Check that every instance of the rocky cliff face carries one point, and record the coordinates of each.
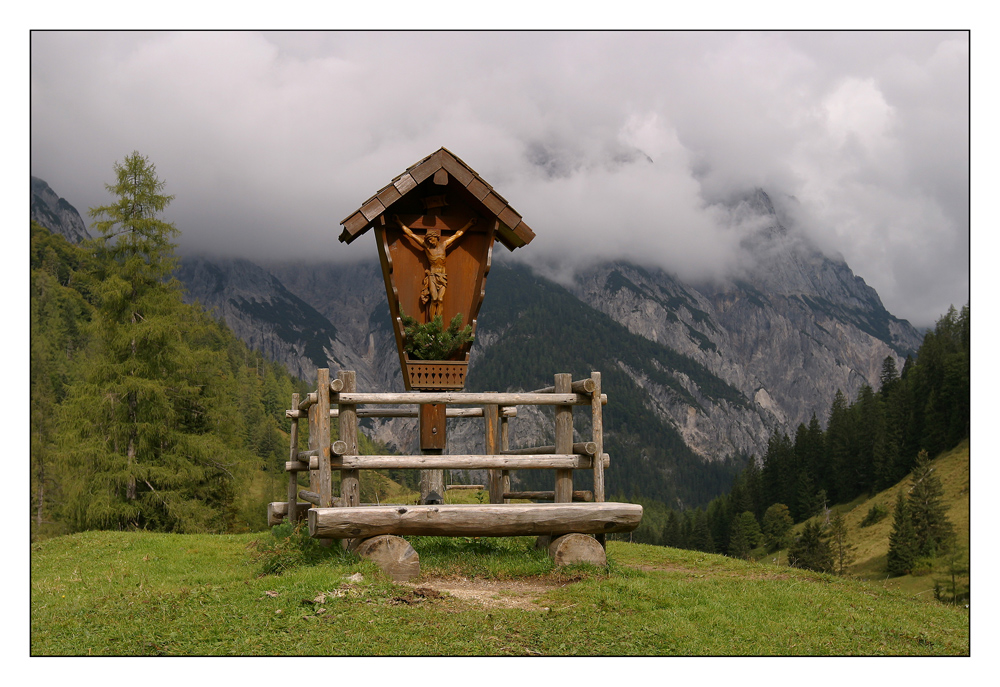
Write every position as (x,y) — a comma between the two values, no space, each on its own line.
(55,214)
(794,328)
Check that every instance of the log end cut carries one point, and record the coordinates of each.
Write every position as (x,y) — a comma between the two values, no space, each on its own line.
(278,511)
(393,555)
(577,548)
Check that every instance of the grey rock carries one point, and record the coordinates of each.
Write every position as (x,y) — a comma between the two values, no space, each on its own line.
(55,213)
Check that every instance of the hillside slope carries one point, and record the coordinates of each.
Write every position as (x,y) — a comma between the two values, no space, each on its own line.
(872,542)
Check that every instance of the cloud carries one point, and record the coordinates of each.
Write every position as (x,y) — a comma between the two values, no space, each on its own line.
(609,144)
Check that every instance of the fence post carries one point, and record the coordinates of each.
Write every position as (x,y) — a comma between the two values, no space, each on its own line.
(504,446)
(350,487)
(491,419)
(597,425)
(293,455)
(323,430)
(564,439)
(313,445)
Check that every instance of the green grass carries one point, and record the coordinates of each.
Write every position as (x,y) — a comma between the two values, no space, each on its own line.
(137,593)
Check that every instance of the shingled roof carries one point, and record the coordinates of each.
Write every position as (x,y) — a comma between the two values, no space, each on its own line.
(513,232)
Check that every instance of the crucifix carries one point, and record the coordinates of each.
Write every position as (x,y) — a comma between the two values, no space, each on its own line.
(435,277)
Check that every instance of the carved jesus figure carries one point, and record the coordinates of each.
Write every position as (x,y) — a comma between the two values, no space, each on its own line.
(435,278)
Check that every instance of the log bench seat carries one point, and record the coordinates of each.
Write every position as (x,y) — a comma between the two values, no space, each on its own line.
(474,520)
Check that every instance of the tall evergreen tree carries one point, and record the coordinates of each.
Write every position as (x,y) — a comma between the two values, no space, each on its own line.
(779,475)
(701,536)
(902,539)
(869,440)
(809,502)
(889,375)
(673,532)
(839,470)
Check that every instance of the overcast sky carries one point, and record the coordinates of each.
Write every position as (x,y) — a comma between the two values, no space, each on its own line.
(615,144)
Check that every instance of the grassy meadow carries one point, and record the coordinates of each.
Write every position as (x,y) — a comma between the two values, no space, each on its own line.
(155,594)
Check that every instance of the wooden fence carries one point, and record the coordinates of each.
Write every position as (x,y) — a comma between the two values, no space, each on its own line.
(344,517)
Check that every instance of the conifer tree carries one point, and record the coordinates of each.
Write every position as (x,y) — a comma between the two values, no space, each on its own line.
(813,451)
(902,539)
(889,376)
(701,536)
(805,503)
(839,471)
(744,535)
(146,442)
(58,340)
(932,529)
(869,438)
(955,581)
(811,550)
(673,531)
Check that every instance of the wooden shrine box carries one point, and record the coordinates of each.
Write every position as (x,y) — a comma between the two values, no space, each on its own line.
(438,195)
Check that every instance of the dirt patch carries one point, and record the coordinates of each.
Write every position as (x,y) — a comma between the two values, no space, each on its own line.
(522,594)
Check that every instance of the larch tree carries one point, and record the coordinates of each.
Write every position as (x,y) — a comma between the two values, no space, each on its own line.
(842,549)
(142,445)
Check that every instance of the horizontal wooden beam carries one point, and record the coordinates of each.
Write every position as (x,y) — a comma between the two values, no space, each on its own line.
(310,496)
(509,411)
(475,520)
(547,495)
(567,461)
(480,487)
(313,398)
(309,460)
(582,386)
(587,448)
(464,398)
(310,400)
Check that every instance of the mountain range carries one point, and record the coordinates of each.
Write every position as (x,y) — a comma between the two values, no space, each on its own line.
(698,375)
